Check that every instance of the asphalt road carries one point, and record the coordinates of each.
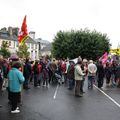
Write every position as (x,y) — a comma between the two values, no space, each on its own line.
(59,103)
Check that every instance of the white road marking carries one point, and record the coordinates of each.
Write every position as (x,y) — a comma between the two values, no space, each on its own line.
(108,96)
(55,94)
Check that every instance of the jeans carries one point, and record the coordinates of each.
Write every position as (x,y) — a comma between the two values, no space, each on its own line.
(113,80)
(91,80)
(45,81)
(71,83)
(40,78)
(26,82)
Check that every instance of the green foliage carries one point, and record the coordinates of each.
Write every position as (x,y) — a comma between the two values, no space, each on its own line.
(23,51)
(4,49)
(85,43)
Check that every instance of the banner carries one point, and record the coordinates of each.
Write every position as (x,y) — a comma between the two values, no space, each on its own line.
(116,51)
(23,34)
(104,58)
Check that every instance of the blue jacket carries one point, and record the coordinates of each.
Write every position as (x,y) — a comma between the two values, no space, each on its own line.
(15,80)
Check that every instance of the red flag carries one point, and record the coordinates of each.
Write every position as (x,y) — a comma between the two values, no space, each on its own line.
(23,34)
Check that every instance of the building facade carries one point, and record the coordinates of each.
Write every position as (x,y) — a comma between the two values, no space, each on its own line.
(45,47)
(10,35)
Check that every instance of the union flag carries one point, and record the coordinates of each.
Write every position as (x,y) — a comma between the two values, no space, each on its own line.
(23,34)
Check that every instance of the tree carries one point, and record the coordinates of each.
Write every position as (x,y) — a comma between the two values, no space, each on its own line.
(4,49)
(85,43)
(23,51)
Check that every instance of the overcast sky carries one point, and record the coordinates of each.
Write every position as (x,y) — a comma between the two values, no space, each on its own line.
(47,17)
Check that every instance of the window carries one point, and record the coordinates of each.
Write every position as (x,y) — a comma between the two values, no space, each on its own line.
(17,44)
(35,46)
(28,45)
(35,54)
(32,46)
(32,56)
(9,43)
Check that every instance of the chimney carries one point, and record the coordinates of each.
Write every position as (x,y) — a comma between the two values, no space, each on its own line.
(15,31)
(10,31)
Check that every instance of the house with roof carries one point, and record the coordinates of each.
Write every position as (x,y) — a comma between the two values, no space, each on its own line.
(10,35)
(45,47)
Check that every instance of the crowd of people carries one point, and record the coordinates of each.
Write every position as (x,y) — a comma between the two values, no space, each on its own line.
(16,74)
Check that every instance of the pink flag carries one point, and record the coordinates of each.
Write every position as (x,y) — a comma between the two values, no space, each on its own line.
(104,58)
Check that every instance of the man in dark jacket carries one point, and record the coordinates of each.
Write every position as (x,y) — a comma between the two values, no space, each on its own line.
(100,73)
(70,75)
(27,72)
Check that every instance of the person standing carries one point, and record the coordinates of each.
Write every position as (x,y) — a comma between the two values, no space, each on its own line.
(85,70)
(27,74)
(36,73)
(100,74)
(52,68)
(45,76)
(63,70)
(70,75)
(114,73)
(15,81)
(1,72)
(108,73)
(1,75)
(118,75)
(92,69)
(1,80)
(5,67)
(78,78)
(40,76)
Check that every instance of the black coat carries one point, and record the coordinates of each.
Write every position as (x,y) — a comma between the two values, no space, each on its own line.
(27,70)
(118,71)
(108,72)
(100,71)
